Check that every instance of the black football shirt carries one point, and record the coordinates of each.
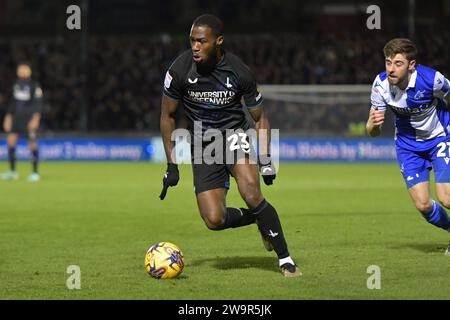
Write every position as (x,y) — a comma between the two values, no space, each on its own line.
(26,100)
(213,97)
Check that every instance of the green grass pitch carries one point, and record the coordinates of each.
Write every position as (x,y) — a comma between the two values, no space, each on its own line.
(338,219)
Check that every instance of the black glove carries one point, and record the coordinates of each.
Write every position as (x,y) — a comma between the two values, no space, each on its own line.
(267,169)
(170,179)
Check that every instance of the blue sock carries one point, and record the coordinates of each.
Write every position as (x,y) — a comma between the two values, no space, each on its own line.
(437,216)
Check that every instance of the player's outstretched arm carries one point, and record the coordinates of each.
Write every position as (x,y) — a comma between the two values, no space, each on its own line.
(374,122)
(167,126)
(262,127)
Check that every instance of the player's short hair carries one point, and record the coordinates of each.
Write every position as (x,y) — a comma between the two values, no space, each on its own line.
(211,21)
(400,45)
(24,63)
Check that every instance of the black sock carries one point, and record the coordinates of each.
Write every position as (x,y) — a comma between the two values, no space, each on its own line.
(235,218)
(269,224)
(12,158)
(35,160)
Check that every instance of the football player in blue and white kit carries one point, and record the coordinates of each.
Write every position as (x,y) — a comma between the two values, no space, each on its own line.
(420,99)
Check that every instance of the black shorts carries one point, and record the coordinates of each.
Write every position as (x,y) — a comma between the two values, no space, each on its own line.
(20,126)
(209,175)
(20,123)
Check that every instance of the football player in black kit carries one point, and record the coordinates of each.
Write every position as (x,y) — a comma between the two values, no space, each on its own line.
(23,118)
(209,82)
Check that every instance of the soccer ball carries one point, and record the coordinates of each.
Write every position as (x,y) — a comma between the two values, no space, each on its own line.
(164,260)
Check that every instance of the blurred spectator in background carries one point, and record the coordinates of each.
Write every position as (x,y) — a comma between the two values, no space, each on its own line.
(23,119)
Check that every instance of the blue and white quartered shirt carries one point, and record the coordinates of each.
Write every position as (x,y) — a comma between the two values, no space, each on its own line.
(421,116)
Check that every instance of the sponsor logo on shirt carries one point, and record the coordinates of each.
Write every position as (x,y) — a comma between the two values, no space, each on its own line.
(167,80)
(215,97)
(22,94)
(423,108)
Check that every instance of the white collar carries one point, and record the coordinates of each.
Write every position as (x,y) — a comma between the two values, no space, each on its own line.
(412,80)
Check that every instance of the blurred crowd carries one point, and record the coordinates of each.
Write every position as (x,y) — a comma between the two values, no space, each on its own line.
(124,75)
(56,67)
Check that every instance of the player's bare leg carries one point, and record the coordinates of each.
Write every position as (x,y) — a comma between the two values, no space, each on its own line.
(420,195)
(12,140)
(443,194)
(217,216)
(12,143)
(432,211)
(211,204)
(247,178)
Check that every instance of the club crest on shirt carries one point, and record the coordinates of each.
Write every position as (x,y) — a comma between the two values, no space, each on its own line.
(228,84)
(419,95)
